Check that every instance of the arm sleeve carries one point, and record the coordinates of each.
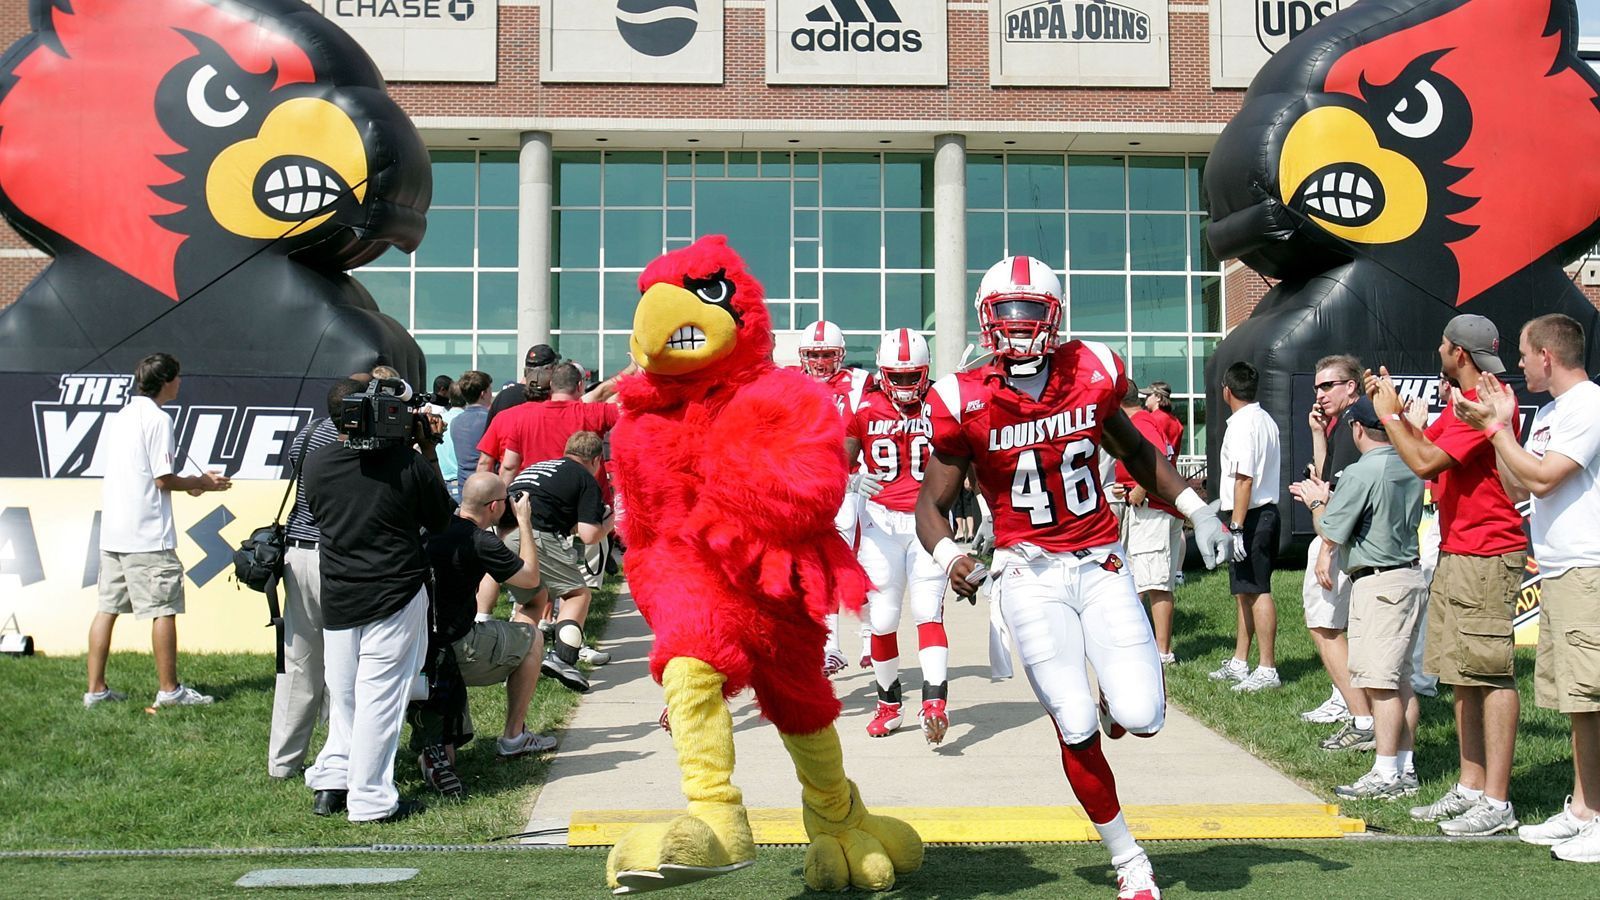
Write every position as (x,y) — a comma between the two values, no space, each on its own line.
(948,435)
(1456,438)
(434,506)
(159,445)
(591,510)
(1339,520)
(852,427)
(497,558)
(1577,437)
(490,443)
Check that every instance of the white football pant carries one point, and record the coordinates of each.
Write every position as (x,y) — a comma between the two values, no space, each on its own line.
(896,563)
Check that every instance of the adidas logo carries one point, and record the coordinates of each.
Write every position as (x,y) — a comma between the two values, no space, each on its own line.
(844,26)
(1096,378)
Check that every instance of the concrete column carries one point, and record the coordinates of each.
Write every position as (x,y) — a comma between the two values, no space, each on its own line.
(534,195)
(950,300)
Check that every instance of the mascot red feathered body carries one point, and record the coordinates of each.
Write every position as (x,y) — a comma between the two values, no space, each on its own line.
(729,471)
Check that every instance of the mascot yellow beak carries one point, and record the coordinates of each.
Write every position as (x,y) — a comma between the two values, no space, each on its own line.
(292,175)
(1333,170)
(675,332)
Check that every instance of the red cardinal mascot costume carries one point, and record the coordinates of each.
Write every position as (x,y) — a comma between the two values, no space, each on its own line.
(729,471)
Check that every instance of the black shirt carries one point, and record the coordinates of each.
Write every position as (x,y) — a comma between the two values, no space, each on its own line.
(563,493)
(461,555)
(370,507)
(318,434)
(1342,451)
(515,395)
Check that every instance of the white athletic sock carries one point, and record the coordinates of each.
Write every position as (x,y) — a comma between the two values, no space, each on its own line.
(935,662)
(885,671)
(1467,792)
(1364,723)
(482,617)
(1387,766)
(832,621)
(1118,840)
(1496,804)
(1403,759)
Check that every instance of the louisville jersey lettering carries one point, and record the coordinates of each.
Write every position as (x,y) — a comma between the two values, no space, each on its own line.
(894,446)
(1036,459)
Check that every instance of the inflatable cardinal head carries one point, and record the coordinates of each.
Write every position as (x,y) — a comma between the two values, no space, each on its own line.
(233,155)
(1450,140)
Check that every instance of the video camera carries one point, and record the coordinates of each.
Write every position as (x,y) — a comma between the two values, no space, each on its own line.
(386,414)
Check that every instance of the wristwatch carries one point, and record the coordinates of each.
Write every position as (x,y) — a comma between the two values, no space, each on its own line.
(1236,528)
(1316,505)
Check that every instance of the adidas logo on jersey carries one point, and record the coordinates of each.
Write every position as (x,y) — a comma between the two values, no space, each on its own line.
(1096,378)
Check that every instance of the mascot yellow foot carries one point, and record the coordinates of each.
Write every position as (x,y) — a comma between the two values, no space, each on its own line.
(713,837)
(849,846)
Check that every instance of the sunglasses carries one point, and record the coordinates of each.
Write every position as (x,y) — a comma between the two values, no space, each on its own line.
(1326,386)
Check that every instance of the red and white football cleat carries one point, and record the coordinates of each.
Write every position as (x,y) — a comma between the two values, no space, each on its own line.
(1108,724)
(886,721)
(833,662)
(1136,880)
(935,721)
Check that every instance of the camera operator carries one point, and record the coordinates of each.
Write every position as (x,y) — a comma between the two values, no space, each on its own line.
(465,653)
(567,513)
(370,505)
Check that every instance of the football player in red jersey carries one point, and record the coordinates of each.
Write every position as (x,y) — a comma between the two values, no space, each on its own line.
(891,435)
(1031,424)
(822,357)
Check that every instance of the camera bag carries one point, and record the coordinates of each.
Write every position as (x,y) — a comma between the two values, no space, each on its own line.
(258,563)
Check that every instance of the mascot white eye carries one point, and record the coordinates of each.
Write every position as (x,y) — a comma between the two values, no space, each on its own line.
(714,292)
(214,104)
(1419,113)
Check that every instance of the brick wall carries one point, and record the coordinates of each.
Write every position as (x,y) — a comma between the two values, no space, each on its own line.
(14,273)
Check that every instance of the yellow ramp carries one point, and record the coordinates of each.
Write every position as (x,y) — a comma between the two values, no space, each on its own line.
(1018,824)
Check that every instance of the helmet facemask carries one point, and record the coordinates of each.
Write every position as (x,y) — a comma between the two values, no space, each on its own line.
(822,362)
(1019,326)
(904,385)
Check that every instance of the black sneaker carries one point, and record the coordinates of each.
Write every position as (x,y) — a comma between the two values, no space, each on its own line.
(405,810)
(566,673)
(439,774)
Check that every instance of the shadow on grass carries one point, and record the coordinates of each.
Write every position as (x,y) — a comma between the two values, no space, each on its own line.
(947,874)
(1217,868)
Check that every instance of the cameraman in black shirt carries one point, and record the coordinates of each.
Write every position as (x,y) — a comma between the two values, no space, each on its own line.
(474,654)
(567,515)
(370,506)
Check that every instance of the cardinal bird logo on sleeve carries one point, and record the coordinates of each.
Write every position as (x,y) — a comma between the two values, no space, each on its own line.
(229,157)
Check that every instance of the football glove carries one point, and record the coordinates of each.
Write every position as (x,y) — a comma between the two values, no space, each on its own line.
(867,484)
(1215,543)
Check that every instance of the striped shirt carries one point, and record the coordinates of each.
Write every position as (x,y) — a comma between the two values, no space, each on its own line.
(316,435)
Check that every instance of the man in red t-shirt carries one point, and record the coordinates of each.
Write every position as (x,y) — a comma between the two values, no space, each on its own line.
(1152,529)
(534,432)
(1157,400)
(1482,555)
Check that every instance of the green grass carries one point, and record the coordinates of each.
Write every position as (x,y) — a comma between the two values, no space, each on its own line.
(118,777)
(1268,724)
(1327,870)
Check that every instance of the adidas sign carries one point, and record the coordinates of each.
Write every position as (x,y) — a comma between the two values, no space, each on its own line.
(862,26)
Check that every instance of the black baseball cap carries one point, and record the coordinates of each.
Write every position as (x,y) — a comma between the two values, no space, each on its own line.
(1362,412)
(539,355)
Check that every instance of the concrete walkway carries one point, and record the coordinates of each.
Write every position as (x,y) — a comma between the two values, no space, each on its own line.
(1001,750)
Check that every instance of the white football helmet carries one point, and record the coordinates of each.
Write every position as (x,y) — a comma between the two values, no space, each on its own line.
(903,365)
(1019,308)
(822,349)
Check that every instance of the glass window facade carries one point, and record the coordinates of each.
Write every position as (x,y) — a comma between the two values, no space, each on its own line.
(1126,234)
(846,236)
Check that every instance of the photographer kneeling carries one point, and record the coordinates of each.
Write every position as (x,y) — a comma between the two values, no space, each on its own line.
(567,514)
(464,653)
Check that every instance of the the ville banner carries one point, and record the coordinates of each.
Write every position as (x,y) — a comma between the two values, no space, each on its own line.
(1102,43)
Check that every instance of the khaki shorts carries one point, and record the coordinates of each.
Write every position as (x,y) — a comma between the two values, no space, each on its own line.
(560,564)
(1154,541)
(1385,608)
(1324,608)
(149,585)
(1566,673)
(492,650)
(1470,607)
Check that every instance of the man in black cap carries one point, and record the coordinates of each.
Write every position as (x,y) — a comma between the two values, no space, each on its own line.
(535,386)
(1372,522)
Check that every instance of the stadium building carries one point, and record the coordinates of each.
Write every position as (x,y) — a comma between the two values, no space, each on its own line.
(870,158)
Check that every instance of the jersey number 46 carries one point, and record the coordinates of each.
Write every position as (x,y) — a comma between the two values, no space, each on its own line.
(1030,491)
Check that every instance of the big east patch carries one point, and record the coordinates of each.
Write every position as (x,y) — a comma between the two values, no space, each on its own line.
(203,173)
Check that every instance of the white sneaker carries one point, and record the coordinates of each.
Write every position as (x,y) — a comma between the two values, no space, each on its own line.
(95,698)
(1452,804)
(1332,710)
(183,696)
(523,744)
(1481,820)
(593,657)
(1584,847)
(1136,880)
(1261,679)
(1563,826)
(1234,670)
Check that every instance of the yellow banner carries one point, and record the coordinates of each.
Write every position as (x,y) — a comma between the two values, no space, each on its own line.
(49,563)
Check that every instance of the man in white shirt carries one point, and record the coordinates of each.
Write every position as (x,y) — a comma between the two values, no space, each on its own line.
(1248,487)
(1560,467)
(139,568)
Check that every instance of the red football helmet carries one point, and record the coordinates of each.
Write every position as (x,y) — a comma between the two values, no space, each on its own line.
(1019,308)
(822,349)
(903,365)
